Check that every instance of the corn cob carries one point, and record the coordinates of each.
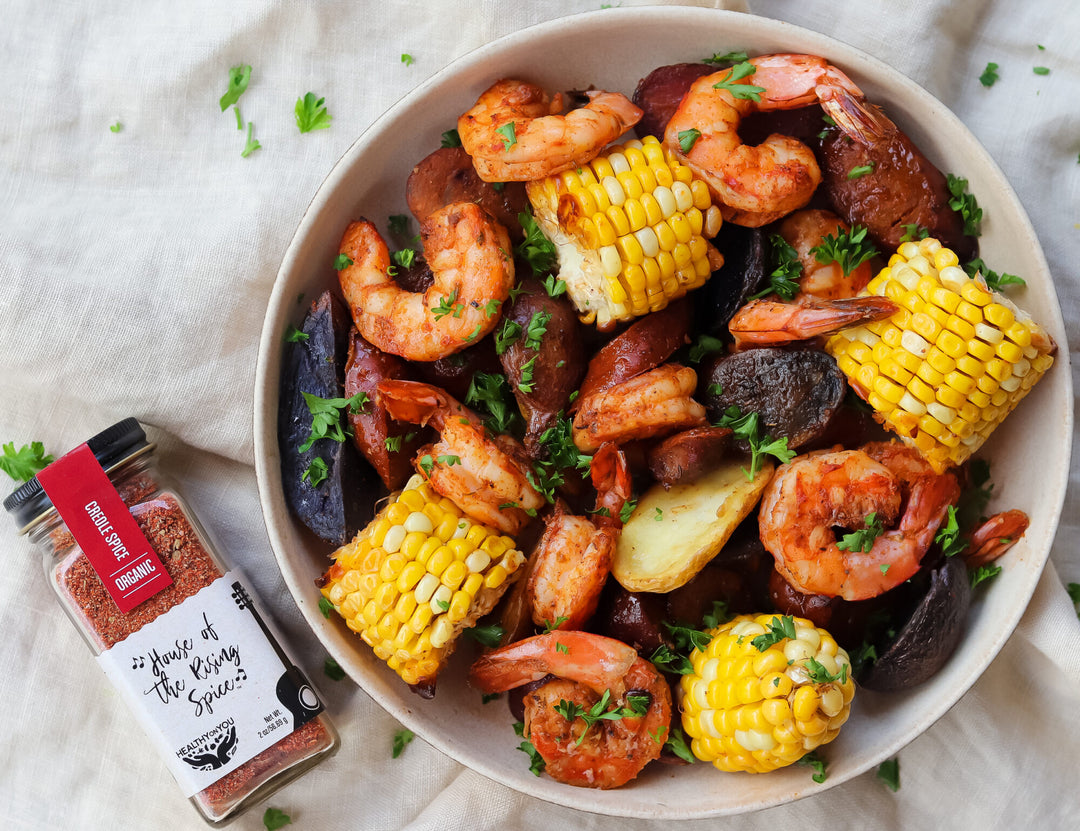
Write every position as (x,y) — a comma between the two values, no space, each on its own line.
(417,576)
(753,705)
(951,363)
(630,228)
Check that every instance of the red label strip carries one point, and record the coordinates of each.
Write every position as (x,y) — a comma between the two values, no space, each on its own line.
(104,528)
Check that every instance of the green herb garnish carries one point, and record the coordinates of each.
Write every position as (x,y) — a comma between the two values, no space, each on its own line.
(536,249)
(783,281)
(509,136)
(849,249)
(311,114)
(273,819)
(815,762)
(889,773)
(23,464)
(989,75)
(239,77)
(333,670)
(863,539)
(401,738)
(740,91)
(984,573)
(489,635)
(780,627)
(688,138)
(451,139)
(325,606)
(316,472)
(859,171)
(965,203)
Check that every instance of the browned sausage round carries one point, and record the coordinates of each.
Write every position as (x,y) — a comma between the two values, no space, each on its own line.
(447,175)
(658,94)
(903,188)
(686,455)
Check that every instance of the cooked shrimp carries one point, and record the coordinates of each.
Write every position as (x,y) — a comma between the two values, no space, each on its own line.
(608,753)
(516,133)
(573,559)
(758,185)
(770,322)
(653,403)
(994,537)
(803,230)
(469,256)
(477,473)
(813,494)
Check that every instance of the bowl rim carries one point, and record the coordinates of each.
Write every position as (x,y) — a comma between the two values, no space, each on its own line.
(267,376)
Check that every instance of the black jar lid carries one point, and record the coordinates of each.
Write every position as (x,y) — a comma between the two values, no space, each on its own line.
(110,447)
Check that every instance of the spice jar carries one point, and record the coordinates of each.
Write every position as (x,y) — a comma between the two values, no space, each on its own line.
(176,631)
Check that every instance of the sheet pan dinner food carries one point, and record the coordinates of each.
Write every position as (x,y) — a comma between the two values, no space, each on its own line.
(671,407)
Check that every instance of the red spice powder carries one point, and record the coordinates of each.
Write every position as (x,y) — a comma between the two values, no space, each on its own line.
(191,568)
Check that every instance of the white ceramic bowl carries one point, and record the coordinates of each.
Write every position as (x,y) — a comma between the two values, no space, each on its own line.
(1029,453)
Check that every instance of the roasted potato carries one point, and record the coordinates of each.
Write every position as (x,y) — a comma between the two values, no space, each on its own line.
(673,533)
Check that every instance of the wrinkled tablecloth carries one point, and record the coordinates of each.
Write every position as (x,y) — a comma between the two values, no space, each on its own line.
(135,268)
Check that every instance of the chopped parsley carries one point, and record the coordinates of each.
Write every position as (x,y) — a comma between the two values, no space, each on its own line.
(627,510)
(780,627)
(490,392)
(294,335)
(688,138)
(727,58)
(252,143)
(659,517)
(820,675)
(1041,70)
(117,127)
(817,764)
(536,329)
(849,249)
(401,738)
(526,382)
(407,59)
(23,464)
(989,75)
(405,257)
(444,605)
(746,426)
(554,286)
(536,249)
(994,281)
(984,573)
(274,818)
(705,345)
(427,464)
(889,773)
(914,231)
(448,305)
(741,70)
(678,745)
(399,225)
(1074,595)
(965,203)
(783,280)
(637,706)
(491,308)
(489,635)
(863,539)
(342,261)
(311,114)
(316,472)
(326,607)
(447,460)
(562,647)
(667,660)
(451,139)
(859,171)
(333,670)
(550,626)
(239,77)
(536,761)
(508,134)
(687,638)
(715,389)
(558,441)
(326,416)
(948,535)
(506,335)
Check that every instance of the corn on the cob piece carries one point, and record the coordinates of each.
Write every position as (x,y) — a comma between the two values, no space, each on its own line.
(945,369)
(417,576)
(754,705)
(630,228)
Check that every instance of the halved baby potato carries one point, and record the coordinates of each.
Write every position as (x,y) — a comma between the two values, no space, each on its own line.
(673,533)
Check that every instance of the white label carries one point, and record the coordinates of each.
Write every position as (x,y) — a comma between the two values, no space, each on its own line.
(208,685)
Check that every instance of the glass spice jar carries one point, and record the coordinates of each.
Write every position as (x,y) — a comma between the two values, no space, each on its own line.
(175,630)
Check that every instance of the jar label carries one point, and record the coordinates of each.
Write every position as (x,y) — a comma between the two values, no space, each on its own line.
(97,517)
(209,684)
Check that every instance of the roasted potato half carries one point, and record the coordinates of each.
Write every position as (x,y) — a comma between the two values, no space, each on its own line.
(673,533)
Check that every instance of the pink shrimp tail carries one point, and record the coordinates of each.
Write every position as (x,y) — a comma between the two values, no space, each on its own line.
(611,478)
(598,662)
(995,536)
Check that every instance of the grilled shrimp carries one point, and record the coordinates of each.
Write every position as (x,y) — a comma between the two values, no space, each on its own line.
(485,477)
(813,494)
(653,403)
(589,668)
(770,322)
(469,256)
(515,132)
(994,537)
(573,559)
(758,185)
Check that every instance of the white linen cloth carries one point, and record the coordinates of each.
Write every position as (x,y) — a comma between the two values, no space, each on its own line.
(135,267)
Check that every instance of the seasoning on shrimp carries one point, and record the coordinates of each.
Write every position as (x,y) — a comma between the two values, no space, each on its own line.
(770,323)
(516,132)
(760,184)
(588,669)
(468,253)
